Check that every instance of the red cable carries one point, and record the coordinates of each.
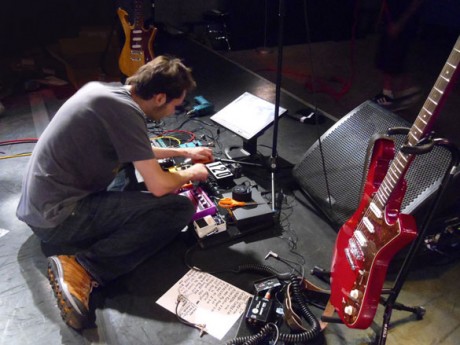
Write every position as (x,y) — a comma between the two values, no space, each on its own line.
(19,141)
(191,135)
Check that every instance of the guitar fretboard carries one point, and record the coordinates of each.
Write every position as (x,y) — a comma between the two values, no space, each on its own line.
(138,15)
(420,128)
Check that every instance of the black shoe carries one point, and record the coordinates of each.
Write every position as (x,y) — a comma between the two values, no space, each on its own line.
(383,100)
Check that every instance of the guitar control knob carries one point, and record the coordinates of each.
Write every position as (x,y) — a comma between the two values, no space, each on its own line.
(349,310)
(354,293)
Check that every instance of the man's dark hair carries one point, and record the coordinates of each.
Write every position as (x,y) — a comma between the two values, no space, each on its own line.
(164,74)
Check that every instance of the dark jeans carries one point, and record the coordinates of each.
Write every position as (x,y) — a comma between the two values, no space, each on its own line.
(123,228)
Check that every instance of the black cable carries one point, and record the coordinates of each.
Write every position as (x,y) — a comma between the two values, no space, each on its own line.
(263,269)
(209,132)
(315,328)
(181,298)
(289,235)
(256,338)
(298,297)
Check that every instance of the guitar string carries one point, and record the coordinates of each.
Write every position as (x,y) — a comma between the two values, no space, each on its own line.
(416,133)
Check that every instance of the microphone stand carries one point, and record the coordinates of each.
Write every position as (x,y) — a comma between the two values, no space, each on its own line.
(273,158)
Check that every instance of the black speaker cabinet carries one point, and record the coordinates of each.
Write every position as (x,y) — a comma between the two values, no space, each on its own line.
(344,148)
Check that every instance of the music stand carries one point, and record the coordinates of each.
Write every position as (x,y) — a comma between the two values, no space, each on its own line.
(250,143)
(248,116)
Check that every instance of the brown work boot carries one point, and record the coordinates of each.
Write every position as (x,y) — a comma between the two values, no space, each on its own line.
(72,286)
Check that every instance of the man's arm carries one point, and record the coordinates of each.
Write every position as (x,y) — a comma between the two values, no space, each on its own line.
(197,154)
(160,182)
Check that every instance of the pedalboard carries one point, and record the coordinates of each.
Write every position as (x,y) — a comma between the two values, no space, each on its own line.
(238,221)
(252,217)
(212,188)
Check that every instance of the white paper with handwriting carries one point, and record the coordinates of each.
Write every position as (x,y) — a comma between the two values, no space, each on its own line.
(207,300)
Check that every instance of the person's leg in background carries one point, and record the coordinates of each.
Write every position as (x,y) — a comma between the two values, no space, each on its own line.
(398,33)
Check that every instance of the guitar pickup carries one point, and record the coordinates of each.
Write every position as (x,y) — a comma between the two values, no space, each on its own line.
(360,238)
(136,59)
(369,225)
(374,208)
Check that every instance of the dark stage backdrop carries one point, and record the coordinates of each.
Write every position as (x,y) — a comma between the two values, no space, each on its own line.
(328,20)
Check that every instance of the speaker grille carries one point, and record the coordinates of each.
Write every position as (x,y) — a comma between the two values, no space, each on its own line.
(344,149)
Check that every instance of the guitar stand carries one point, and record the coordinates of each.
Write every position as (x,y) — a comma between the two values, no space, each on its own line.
(425,145)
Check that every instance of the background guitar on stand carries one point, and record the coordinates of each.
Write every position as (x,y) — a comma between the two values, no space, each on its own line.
(138,45)
(377,231)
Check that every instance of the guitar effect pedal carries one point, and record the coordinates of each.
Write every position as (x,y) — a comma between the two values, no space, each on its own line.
(259,311)
(209,225)
(203,107)
(203,204)
(204,226)
(221,174)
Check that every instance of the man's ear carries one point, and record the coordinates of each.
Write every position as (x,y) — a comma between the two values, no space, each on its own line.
(160,99)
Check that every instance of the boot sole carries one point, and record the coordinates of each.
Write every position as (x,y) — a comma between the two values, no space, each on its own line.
(72,311)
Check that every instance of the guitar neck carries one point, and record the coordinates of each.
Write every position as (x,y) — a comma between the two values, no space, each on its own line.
(421,126)
(138,14)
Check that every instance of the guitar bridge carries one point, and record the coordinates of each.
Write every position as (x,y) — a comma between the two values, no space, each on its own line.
(350,259)
(355,249)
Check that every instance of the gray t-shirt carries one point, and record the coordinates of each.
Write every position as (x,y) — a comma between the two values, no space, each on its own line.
(94,132)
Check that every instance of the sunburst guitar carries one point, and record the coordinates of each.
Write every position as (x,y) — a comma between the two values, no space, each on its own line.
(138,47)
(377,230)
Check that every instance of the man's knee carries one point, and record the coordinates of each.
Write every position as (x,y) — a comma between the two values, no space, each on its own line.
(187,207)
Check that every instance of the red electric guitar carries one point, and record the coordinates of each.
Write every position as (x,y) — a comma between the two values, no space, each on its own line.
(138,47)
(377,231)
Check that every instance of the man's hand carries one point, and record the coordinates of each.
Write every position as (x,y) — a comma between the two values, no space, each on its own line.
(199,171)
(200,154)
(195,154)
(160,182)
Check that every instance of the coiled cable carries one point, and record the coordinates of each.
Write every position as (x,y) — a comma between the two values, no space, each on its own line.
(306,313)
(298,297)
(263,269)
(255,339)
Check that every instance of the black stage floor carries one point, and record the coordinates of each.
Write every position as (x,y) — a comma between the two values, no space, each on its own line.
(126,312)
